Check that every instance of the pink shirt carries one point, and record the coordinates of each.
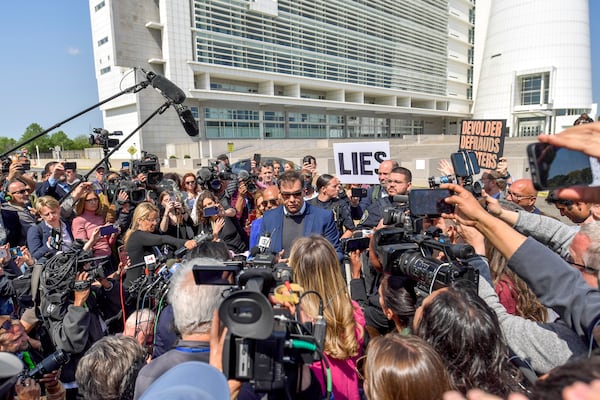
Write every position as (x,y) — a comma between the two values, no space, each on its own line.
(343,372)
(83,226)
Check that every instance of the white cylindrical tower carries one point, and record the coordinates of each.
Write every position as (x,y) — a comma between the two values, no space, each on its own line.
(536,65)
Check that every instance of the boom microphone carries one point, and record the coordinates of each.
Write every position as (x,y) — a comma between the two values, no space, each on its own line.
(187,120)
(168,89)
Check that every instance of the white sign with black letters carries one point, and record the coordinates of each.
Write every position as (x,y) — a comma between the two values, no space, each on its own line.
(359,162)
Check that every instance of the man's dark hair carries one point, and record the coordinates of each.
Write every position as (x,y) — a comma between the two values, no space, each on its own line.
(289,177)
(404,171)
(222,157)
(48,166)
(584,370)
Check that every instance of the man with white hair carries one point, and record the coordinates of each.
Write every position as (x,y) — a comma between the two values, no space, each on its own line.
(193,307)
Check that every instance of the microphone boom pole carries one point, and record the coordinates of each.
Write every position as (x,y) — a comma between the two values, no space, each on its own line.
(159,110)
(133,89)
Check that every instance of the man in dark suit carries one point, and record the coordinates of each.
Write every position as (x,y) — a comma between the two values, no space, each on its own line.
(296,218)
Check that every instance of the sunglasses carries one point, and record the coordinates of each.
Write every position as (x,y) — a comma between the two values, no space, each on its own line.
(272,202)
(286,196)
(190,182)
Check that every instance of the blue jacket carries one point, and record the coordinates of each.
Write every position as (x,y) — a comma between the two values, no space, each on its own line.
(37,239)
(316,221)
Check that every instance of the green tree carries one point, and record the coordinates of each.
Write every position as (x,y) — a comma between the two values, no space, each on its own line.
(61,139)
(6,144)
(43,142)
(80,142)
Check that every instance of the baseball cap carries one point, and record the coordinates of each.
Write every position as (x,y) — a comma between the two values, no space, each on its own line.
(192,380)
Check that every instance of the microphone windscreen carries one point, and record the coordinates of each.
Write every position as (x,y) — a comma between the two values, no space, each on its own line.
(188,121)
(167,88)
(243,174)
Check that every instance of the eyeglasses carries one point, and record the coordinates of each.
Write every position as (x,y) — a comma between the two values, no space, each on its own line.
(360,367)
(273,202)
(516,196)
(22,191)
(286,196)
(94,200)
(581,267)
(190,182)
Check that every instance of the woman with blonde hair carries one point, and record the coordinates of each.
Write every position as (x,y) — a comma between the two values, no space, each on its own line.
(140,238)
(316,267)
(403,368)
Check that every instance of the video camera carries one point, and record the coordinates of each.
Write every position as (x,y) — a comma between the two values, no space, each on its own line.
(149,166)
(212,177)
(102,138)
(404,252)
(94,267)
(465,165)
(51,363)
(263,346)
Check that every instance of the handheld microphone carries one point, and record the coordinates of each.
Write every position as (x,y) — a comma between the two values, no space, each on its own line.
(168,89)
(187,120)
(201,238)
(150,262)
(264,242)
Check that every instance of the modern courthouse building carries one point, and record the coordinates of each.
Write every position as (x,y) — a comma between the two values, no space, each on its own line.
(277,70)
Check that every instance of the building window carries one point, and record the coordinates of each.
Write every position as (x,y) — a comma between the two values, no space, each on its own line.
(535,89)
(104,70)
(102,41)
(99,5)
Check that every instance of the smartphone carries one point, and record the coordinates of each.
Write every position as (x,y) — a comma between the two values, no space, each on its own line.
(108,230)
(125,165)
(15,252)
(55,239)
(210,211)
(352,244)
(359,192)
(554,167)
(3,253)
(429,202)
(256,158)
(465,163)
(122,254)
(26,166)
(71,165)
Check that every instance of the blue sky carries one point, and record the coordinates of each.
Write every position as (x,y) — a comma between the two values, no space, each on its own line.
(48,73)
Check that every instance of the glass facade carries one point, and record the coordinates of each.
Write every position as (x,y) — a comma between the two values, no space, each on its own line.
(380,43)
(223,123)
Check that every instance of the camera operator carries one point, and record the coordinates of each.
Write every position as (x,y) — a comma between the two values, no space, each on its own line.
(71,313)
(398,183)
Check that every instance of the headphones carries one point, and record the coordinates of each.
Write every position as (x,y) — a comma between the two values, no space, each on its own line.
(7,196)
